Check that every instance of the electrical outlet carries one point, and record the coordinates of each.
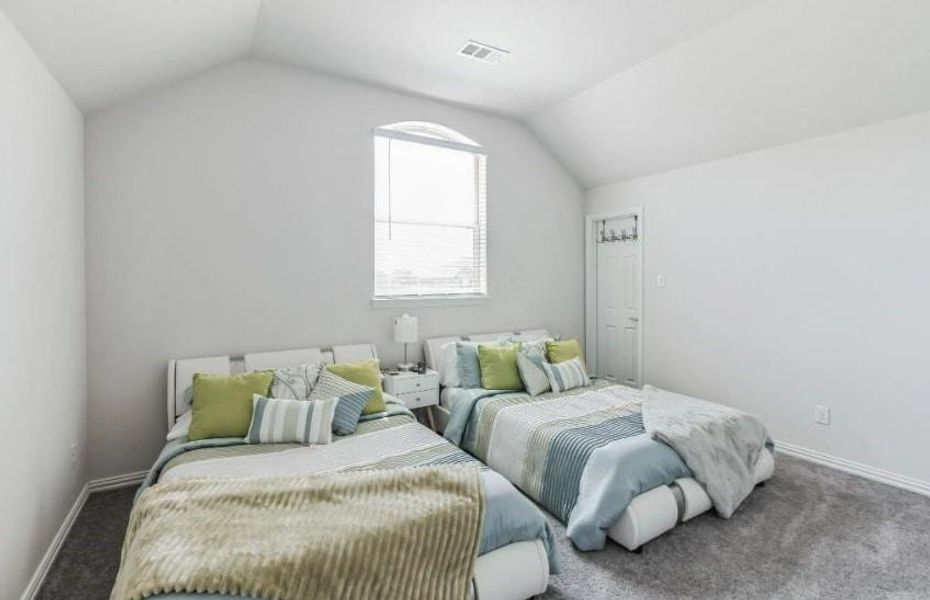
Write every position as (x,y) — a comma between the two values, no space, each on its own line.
(74,456)
(822,415)
(660,281)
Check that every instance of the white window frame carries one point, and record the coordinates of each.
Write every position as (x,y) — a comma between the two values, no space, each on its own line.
(443,137)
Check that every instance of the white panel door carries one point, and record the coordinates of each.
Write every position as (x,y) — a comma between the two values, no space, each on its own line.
(619,309)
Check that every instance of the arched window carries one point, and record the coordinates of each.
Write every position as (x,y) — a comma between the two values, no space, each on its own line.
(430,213)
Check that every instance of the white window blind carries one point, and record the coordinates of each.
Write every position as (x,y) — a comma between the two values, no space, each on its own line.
(430,216)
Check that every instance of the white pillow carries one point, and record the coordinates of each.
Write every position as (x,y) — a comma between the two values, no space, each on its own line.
(449,365)
(181,427)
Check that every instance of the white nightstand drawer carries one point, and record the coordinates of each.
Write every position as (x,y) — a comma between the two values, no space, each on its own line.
(415,383)
(419,399)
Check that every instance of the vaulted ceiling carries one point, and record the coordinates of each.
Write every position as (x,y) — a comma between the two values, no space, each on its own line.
(615,88)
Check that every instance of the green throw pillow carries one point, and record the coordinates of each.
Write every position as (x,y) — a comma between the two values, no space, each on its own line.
(564,350)
(222,404)
(364,372)
(499,367)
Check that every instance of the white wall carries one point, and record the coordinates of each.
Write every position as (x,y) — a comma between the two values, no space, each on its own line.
(42,342)
(797,276)
(233,212)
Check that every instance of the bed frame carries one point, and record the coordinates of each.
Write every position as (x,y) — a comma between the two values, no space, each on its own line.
(650,514)
(514,572)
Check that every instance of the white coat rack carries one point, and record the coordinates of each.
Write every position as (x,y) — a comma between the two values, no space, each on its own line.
(608,236)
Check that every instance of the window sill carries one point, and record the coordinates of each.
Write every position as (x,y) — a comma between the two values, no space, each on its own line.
(428,301)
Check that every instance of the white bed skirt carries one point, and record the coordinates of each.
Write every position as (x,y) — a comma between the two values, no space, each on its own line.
(515,572)
(653,513)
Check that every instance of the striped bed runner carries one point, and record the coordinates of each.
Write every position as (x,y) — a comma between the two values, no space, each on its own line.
(543,444)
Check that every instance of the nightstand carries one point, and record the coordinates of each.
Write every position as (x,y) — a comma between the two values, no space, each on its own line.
(415,390)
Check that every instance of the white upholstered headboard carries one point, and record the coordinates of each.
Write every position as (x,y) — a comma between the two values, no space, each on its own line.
(181,371)
(432,345)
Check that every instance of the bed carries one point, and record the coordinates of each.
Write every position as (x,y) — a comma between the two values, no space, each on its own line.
(609,479)
(516,552)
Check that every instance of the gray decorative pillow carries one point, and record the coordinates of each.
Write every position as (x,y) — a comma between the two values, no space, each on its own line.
(295,383)
(532,373)
(352,399)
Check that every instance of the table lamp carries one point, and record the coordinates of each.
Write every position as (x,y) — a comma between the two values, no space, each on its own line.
(405,332)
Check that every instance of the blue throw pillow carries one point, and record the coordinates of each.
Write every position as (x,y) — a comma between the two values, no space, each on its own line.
(469,368)
(352,400)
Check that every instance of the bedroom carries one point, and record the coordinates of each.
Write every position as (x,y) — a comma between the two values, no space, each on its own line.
(197,179)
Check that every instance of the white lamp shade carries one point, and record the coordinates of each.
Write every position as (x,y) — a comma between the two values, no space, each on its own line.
(405,329)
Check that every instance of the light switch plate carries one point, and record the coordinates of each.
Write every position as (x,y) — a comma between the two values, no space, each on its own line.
(660,281)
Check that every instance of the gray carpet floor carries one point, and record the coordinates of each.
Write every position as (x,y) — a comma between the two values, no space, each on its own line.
(812,532)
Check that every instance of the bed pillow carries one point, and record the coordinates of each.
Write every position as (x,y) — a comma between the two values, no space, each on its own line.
(282,420)
(467,365)
(499,367)
(532,373)
(449,365)
(566,375)
(295,383)
(180,428)
(222,404)
(351,400)
(563,350)
(364,372)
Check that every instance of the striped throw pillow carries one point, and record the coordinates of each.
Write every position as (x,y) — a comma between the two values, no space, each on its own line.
(532,373)
(566,375)
(279,421)
(351,399)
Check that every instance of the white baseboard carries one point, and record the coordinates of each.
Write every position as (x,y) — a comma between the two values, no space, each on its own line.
(116,482)
(46,563)
(865,471)
(93,486)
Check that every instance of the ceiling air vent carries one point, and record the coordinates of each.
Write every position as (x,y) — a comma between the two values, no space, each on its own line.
(483,52)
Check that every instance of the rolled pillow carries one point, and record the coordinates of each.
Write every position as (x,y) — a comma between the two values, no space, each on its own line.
(281,420)
(566,375)
(351,399)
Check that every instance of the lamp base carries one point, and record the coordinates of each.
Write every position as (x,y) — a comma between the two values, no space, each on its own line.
(406,367)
